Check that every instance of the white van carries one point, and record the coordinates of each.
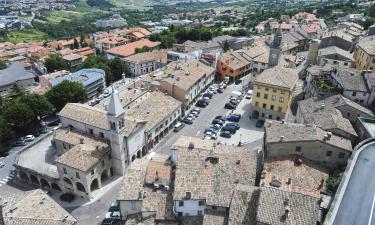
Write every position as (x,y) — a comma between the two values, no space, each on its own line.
(178,126)
(249,94)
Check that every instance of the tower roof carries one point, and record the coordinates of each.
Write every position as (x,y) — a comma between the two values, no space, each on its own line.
(277,38)
(114,106)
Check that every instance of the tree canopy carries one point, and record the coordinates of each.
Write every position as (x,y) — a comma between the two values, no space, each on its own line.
(55,62)
(66,92)
(2,65)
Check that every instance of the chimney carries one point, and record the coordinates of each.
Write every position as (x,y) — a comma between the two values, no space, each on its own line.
(281,138)
(81,141)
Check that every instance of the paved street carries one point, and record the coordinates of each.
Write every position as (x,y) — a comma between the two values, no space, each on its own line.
(249,135)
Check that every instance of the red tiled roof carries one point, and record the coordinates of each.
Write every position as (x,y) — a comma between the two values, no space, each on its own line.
(129,49)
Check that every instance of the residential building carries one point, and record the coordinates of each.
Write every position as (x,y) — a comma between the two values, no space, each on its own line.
(115,21)
(104,44)
(293,174)
(160,112)
(364,54)
(339,38)
(349,109)
(273,92)
(185,81)
(192,50)
(73,60)
(335,56)
(207,175)
(145,191)
(32,207)
(233,65)
(15,74)
(279,207)
(145,62)
(305,141)
(92,79)
(126,50)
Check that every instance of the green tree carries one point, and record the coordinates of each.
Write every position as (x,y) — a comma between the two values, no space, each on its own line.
(143,49)
(2,65)
(55,62)
(225,46)
(6,132)
(66,92)
(331,184)
(75,44)
(19,117)
(17,92)
(371,11)
(116,67)
(38,104)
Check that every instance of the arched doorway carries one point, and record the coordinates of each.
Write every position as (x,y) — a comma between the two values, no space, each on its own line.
(55,186)
(34,180)
(80,187)
(94,185)
(23,176)
(104,176)
(44,183)
(111,171)
(68,181)
(139,154)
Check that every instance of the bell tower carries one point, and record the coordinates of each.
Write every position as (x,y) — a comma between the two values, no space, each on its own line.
(275,48)
(115,113)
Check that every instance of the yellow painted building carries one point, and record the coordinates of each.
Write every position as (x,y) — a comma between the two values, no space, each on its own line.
(273,93)
(364,55)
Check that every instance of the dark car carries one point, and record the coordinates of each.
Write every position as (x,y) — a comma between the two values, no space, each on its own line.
(231,129)
(111,221)
(229,106)
(236,125)
(220,90)
(226,134)
(259,123)
(233,102)
(233,118)
(187,120)
(238,81)
(217,121)
(201,103)
(220,118)
(205,100)
(208,95)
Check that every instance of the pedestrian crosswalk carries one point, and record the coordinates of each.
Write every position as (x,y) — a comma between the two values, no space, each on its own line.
(5,180)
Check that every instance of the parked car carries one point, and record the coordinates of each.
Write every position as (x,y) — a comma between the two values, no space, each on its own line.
(2,164)
(201,103)
(111,221)
(236,114)
(195,113)
(233,102)
(187,120)
(229,105)
(226,134)
(249,94)
(47,191)
(210,135)
(220,90)
(220,118)
(217,121)
(215,127)
(196,110)
(20,142)
(114,214)
(178,126)
(207,99)
(29,137)
(93,102)
(207,95)
(236,99)
(236,125)
(233,118)
(231,129)
(115,206)
(43,130)
(213,90)
(192,116)
(210,130)
(259,123)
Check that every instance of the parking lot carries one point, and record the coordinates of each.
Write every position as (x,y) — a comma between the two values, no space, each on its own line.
(249,135)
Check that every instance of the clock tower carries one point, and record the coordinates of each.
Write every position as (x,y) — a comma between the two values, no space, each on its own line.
(275,48)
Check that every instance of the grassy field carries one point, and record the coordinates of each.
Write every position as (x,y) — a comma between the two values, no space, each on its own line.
(58,16)
(26,35)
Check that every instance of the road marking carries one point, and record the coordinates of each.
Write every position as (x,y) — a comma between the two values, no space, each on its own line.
(2,182)
(11,175)
(372,210)
(6,179)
